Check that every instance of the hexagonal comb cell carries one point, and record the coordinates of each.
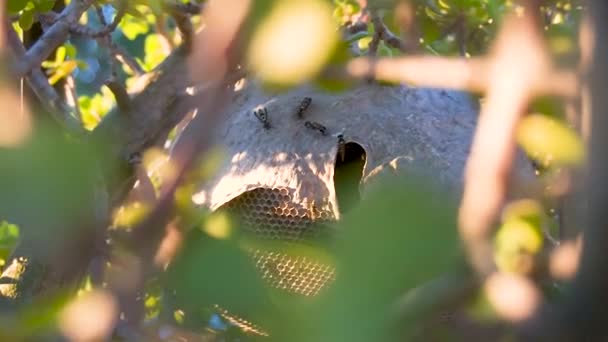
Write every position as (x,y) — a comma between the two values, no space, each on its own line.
(272,214)
(245,325)
(299,275)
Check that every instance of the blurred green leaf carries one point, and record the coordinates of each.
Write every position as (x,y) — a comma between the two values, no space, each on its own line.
(26,20)
(63,70)
(403,234)
(293,43)
(132,27)
(516,245)
(93,109)
(549,141)
(520,236)
(210,271)
(339,57)
(51,176)
(9,233)
(155,51)
(14,6)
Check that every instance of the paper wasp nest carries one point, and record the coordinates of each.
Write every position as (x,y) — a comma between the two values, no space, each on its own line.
(281,168)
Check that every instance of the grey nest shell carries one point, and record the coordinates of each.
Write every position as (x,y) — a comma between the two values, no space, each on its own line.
(403,130)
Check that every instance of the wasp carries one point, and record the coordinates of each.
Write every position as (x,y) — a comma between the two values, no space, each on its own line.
(303,106)
(262,115)
(316,126)
(341,147)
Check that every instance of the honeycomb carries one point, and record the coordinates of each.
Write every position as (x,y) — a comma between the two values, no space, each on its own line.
(272,214)
(299,275)
(245,325)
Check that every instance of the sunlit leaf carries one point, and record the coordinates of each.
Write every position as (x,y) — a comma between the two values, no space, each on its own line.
(525,209)
(549,141)
(93,109)
(155,49)
(132,27)
(9,233)
(294,42)
(519,238)
(364,42)
(65,69)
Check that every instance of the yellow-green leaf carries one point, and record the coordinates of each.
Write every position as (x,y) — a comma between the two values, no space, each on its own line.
(294,42)
(550,141)
(62,71)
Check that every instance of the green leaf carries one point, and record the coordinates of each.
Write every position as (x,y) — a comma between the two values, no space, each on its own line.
(15,6)
(60,55)
(9,234)
(53,175)
(293,43)
(63,70)
(132,27)
(550,141)
(364,42)
(93,109)
(155,51)
(26,20)
(211,271)
(70,50)
(403,234)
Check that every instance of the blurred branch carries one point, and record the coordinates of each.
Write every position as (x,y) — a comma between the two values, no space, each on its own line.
(378,28)
(51,38)
(147,236)
(383,33)
(454,73)
(513,79)
(123,102)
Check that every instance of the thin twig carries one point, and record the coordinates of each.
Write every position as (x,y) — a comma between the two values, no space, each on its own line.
(378,34)
(454,73)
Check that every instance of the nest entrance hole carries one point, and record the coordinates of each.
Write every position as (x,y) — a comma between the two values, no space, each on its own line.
(348,173)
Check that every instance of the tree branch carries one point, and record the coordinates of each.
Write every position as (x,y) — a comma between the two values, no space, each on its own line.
(51,38)
(59,110)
